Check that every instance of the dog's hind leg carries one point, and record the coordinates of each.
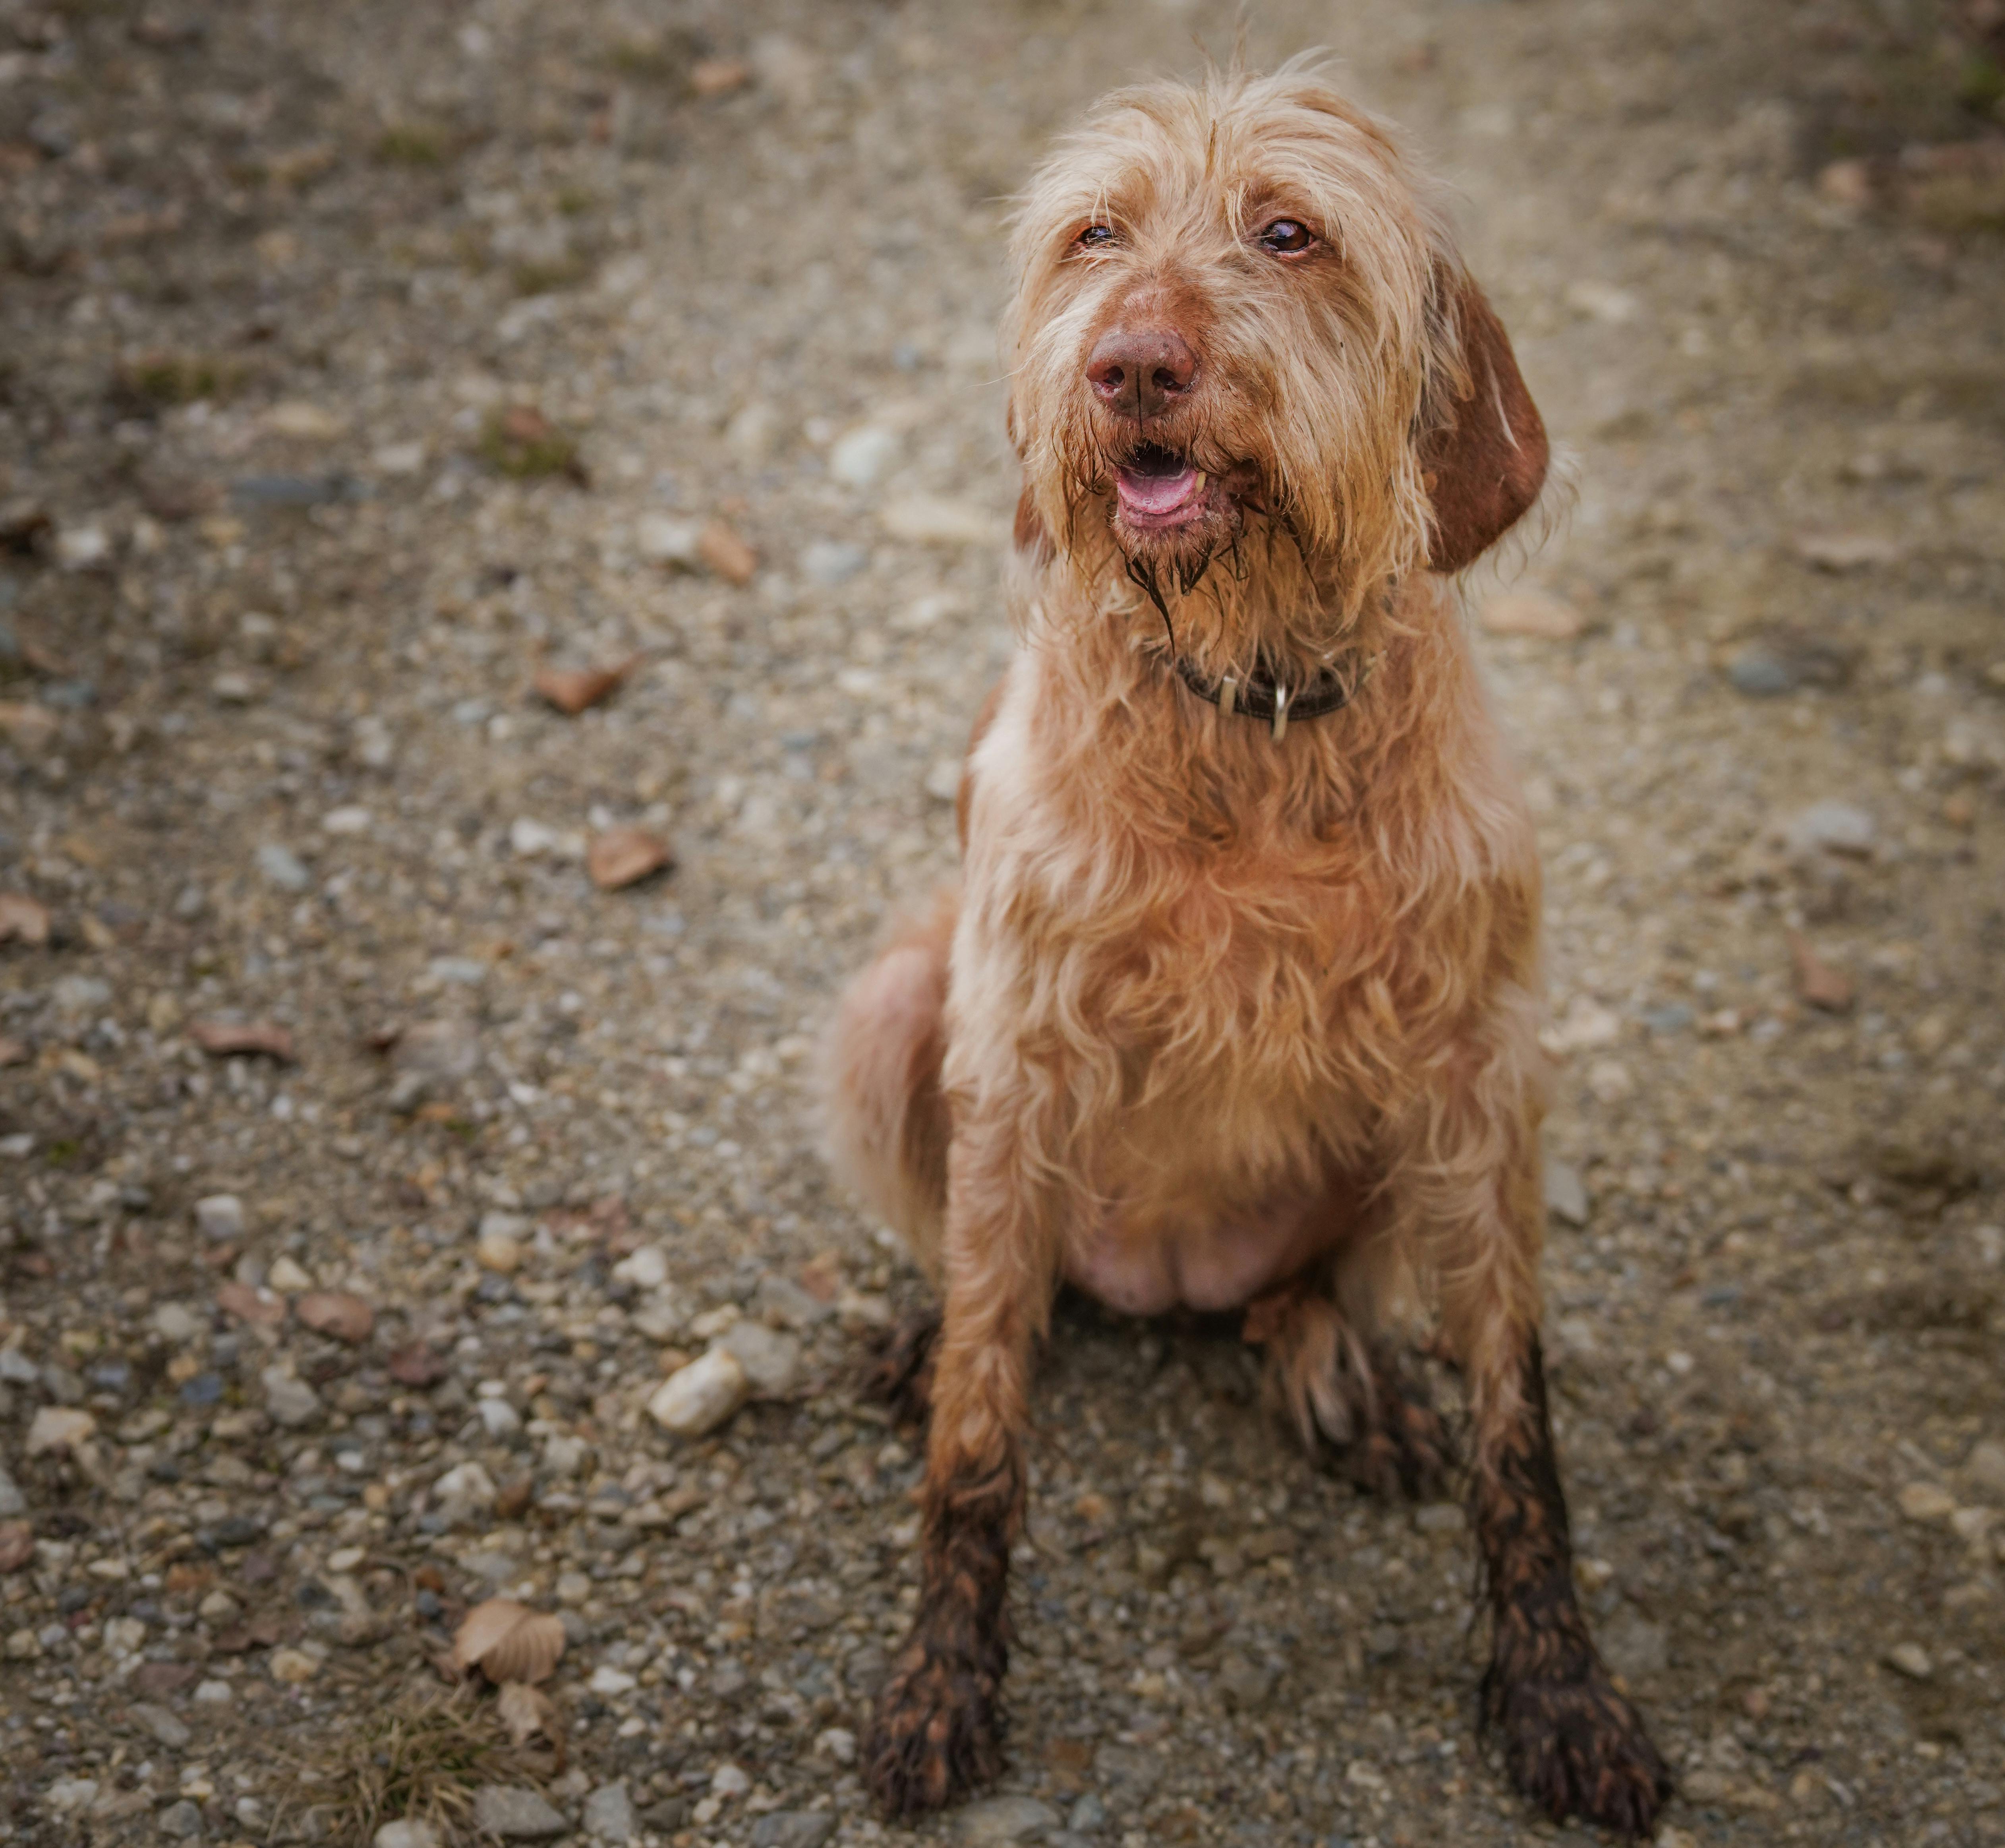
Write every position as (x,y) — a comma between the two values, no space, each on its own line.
(887,1120)
(899,1376)
(1346,1388)
(1469,1174)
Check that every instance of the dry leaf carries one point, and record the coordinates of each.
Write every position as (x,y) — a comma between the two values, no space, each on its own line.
(17,1545)
(529,1714)
(340,1313)
(507,1641)
(248,1305)
(1818,983)
(621,855)
(23,920)
(225,1039)
(572,690)
(726,554)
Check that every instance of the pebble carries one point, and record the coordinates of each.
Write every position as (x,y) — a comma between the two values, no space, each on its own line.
(1985,1465)
(214,1693)
(662,540)
(861,457)
(1634,1646)
(497,1245)
(177,1322)
(696,1401)
(288,1399)
(351,818)
(793,1828)
(516,1814)
(463,1490)
(609,1814)
(931,519)
(284,867)
(1566,1193)
(220,1216)
(167,1728)
(1001,1819)
(1924,1502)
(771,1360)
(1758,674)
(831,561)
(1610,1081)
(646,1269)
(1829,827)
(1911,1660)
(57,1428)
(13,1503)
(729,1780)
(405,1834)
(292,1666)
(287,1277)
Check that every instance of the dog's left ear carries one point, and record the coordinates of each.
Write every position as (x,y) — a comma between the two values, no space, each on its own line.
(1483,445)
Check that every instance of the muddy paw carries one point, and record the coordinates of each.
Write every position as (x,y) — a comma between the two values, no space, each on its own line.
(1576,1748)
(899,1375)
(1407,1450)
(937,1735)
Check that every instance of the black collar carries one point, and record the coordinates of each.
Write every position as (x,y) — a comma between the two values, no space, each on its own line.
(1261,696)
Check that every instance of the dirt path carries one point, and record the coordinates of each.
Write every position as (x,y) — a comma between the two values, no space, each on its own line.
(349,355)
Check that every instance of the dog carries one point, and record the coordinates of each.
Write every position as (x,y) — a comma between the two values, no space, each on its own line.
(1235,1003)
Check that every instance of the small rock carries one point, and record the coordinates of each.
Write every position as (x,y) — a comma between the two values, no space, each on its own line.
(702,1396)
(1566,1193)
(339,1313)
(82,548)
(646,1269)
(214,1693)
(463,1492)
(500,1419)
(284,867)
(177,1323)
(726,553)
(497,1245)
(1000,1819)
(831,561)
(609,1681)
(1758,674)
(1829,827)
(1846,551)
(1924,1502)
(288,1277)
(1088,1816)
(13,1503)
(1634,1646)
(619,857)
(290,1400)
(1440,1517)
(931,519)
(609,1814)
(220,1218)
(730,1780)
(291,1665)
(861,457)
(405,1834)
(662,540)
(1533,613)
(1911,1660)
(793,1828)
(1246,1685)
(1818,982)
(516,1814)
(1986,1466)
(58,1427)
(165,1727)
(771,1360)
(1610,1080)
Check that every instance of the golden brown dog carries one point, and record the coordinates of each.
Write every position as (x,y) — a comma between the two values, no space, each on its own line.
(1235,1003)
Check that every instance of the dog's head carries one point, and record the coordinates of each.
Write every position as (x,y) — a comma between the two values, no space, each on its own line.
(1241,332)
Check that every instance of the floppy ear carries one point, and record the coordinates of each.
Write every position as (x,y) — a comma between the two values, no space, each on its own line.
(1482,447)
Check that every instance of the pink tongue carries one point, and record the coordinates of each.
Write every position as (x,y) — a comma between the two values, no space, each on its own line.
(1157,493)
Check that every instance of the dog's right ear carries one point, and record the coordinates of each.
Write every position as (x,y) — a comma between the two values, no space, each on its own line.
(1483,443)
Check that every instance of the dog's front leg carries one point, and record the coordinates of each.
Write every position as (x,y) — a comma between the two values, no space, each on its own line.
(936,1734)
(1573,1742)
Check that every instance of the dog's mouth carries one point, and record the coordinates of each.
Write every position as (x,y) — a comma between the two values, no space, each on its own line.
(1156,489)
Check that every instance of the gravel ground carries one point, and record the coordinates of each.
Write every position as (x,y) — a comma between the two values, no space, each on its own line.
(356,361)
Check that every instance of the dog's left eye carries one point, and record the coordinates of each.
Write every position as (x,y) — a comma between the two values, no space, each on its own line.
(1286,237)
(1095,238)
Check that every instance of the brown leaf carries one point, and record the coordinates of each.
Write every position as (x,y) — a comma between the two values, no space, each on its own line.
(572,690)
(621,855)
(416,1365)
(248,1305)
(726,554)
(340,1313)
(23,920)
(1818,982)
(224,1039)
(17,1545)
(508,1642)
(528,1712)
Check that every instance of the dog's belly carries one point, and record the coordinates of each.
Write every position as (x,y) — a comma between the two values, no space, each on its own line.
(1146,1264)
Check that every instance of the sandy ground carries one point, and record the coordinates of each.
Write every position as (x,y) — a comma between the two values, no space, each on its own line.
(350,356)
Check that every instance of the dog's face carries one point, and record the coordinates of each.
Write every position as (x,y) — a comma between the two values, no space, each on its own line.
(1239,333)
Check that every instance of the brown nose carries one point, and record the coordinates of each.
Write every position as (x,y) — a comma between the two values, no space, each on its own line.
(1140,372)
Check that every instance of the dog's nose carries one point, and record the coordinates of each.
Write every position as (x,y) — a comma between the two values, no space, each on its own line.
(1140,372)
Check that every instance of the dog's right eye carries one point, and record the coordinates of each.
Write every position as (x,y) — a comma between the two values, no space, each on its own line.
(1095,238)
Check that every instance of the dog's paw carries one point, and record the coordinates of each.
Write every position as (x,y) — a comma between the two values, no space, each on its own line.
(899,1375)
(937,1735)
(1405,1450)
(1576,1748)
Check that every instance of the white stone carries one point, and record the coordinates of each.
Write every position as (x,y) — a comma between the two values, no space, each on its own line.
(863,456)
(930,519)
(350,819)
(177,1322)
(612,1680)
(60,1428)
(646,1269)
(1566,1193)
(468,1485)
(663,540)
(702,1396)
(405,1834)
(290,1400)
(771,1360)
(220,1216)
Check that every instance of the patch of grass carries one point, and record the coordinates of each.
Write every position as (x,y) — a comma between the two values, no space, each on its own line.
(419,1759)
(63,1151)
(546,279)
(413,144)
(653,60)
(519,441)
(1980,84)
(161,381)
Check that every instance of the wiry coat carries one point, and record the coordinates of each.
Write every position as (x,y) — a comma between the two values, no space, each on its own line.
(1216,1018)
